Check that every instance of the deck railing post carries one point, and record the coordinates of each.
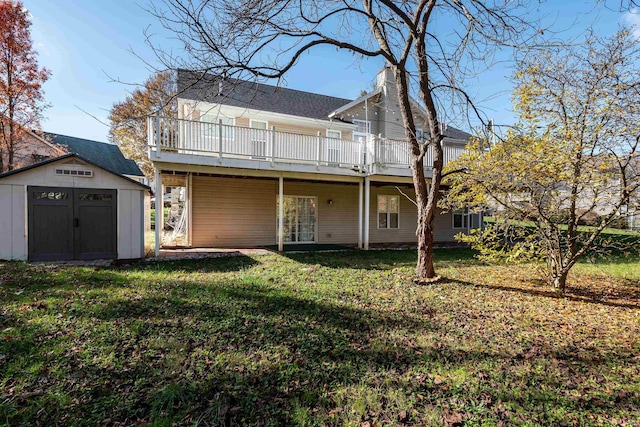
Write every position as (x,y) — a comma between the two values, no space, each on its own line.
(149,135)
(219,140)
(273,145)
(158,140)
(319,154)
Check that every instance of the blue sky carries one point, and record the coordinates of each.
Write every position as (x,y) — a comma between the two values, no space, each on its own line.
(87,44)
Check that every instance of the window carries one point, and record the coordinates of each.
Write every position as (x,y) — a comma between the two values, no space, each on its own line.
(212,131)
(75,172)
(333,146)
(422,135)
(460,218)
(96,197)
(363,126)
(259,131)
(388,212)
(52,195)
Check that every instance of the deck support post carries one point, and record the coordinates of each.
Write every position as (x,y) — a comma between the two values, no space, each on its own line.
(159,211)
(189,205)
(367,209)
(360,197)
(280,214)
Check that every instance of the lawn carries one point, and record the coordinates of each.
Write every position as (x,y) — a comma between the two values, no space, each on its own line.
(337,339)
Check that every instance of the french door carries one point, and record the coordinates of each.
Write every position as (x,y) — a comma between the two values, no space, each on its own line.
(300,219)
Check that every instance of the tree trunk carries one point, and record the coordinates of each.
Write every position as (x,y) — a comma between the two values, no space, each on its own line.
(559,282)
(424,268)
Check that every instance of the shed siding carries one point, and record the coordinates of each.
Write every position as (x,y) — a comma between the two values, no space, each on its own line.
(13,207)
(130,210)
(6,225)
(19,227)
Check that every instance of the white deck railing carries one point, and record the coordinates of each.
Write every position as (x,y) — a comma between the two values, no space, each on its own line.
(271,145)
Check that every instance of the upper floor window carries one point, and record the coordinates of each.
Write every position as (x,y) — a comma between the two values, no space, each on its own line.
(259,136)
(363,126)
(422,135)
(389,212)
(333,146)
(213,131)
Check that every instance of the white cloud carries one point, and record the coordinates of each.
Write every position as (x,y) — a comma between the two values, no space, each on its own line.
(42,48)
(632,20)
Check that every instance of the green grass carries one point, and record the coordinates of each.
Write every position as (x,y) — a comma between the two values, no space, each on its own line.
(152,212)
(318,339)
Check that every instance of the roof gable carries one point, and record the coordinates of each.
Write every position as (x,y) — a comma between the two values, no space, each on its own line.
(69,156)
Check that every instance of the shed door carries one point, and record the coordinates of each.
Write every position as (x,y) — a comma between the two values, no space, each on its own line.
(68,223)
(50,223)
(95,224)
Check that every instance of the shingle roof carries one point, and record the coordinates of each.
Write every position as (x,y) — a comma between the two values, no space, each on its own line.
(257,96)
(454,133)
(102,154)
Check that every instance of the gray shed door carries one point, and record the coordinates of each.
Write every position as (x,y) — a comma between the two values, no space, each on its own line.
(72,223)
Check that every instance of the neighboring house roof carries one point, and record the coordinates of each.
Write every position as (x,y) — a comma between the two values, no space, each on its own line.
(68,156)
(107,156)
(256,96)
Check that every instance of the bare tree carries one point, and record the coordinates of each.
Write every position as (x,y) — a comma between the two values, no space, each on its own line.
(431,46)
(575,161)
(128,118)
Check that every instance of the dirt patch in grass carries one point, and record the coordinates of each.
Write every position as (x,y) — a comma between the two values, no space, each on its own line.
(318,339)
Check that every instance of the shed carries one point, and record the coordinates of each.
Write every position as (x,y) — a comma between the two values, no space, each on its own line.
(69,208)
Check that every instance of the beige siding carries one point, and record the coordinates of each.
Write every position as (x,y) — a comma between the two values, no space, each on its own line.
(242,121)
(231,212)
(406,233)
(338,221)
(287,127)
(235,212)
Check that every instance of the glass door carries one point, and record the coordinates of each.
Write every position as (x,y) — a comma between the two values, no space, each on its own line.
(300,218)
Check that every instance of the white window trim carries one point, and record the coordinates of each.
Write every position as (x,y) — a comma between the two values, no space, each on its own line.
(367,126)
(333,130)
(336,141)
(315,226)
(252,121)
(388,221)
(256,154)
(465,214)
